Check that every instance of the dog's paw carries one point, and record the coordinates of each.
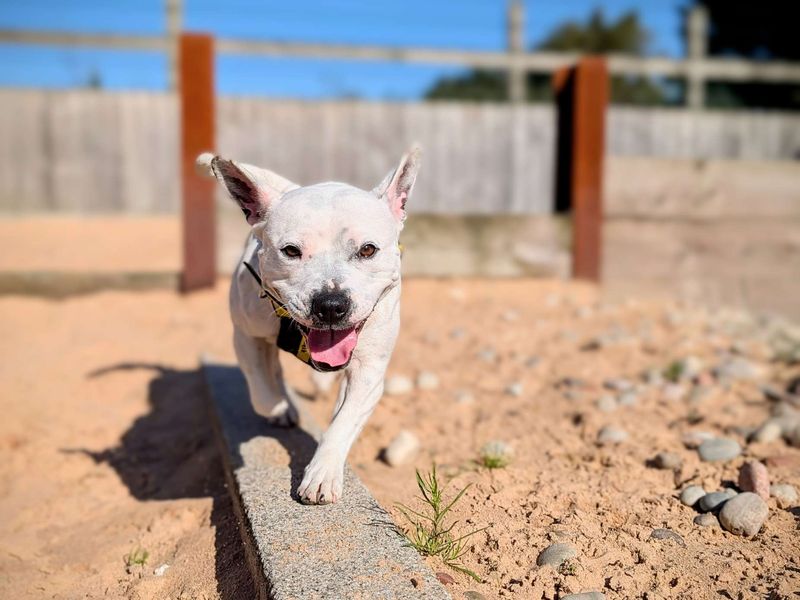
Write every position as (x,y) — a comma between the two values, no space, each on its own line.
(283,414)
(322,482)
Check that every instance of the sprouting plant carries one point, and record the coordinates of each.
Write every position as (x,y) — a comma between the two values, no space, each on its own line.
(138,556)
(428,533)
(673,371)
(496,455)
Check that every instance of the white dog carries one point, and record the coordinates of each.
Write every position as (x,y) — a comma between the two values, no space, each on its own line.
(320,277)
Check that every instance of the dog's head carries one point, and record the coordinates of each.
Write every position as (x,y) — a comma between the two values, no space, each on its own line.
(329,250)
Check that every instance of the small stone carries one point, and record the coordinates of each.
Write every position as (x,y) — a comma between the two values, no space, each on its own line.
(744,514)
(427,380)
(738,369)
(457,333)
(769,431)
(606,403)
(719,449)
(693,439)
(532,361)
(653,377)
(705,520)
(784,493)
(629,398)
(667,460)
(515,389)
(691,494)
(398,385)
(445,578)
(754,477)
(673,392)
(473,595)
(666,534)
(714,501)
(618,384)
(585,596)
(402,449)
(464,397)
(160,570)
(556,554)
(698,393)
(415,582)
(487,355)
(610,435)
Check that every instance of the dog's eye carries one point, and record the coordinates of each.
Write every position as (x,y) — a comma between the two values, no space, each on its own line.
(367,251)
(291,251)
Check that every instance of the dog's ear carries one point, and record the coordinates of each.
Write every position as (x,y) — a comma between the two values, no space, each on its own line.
(253,188)
(396,187)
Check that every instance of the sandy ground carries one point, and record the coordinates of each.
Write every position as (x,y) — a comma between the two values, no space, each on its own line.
(107,447)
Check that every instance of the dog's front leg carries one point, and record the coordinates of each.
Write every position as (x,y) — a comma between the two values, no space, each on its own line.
(359,393)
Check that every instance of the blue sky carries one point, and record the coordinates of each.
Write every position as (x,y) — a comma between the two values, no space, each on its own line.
(466,24)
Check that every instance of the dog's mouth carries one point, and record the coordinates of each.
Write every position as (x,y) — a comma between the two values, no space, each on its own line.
(333,347)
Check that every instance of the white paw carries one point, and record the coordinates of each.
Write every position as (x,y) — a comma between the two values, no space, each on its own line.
(322,482)
(282,414)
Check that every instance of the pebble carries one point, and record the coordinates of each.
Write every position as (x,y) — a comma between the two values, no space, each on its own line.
(618,384)
(629,398)
(673,392)
(754,477)
(473,595)
(427,380)
(718,449)
(611,435)
(402,449)
(769,431)
(515,389)
(667,460)
(160,570)
(705,520)
(698,393)
(784,493)
(691,494)
(445,578)
(744,514)
(693,439)
(487,354)
(738,369)
(532,361)
(666,534)
(714,500)
(398,385)
(464,397)
(585,596)
(458,333)
(556,554)
(606,403)
(653,377)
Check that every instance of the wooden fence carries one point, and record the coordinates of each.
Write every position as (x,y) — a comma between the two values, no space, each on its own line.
(98,152)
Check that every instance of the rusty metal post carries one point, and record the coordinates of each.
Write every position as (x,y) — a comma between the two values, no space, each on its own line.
(582,96)
(196,60)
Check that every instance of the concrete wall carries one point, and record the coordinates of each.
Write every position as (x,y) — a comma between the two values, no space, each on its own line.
(716,232)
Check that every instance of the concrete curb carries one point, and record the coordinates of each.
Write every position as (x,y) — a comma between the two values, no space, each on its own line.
(340,551)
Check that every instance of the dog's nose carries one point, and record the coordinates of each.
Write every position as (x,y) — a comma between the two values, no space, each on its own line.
(330,307)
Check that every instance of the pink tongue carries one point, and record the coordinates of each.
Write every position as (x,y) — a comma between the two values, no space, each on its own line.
(332,346)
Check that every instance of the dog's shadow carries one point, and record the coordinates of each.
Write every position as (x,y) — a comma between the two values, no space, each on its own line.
(171,453)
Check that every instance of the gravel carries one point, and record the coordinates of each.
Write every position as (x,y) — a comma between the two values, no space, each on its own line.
(515,389)
(744,514)
(719,449)
(754,477)
(784,493)
(693,439)
(618,384)
(398,385)
(402,449)
(488,355)
(585,596)
(610,435)
(769,431)
(556,554)
(629,398)
(691,495)
(427,380)
(666,534)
